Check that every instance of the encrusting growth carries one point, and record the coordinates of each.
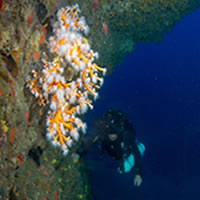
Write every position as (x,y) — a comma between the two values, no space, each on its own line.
(67,100)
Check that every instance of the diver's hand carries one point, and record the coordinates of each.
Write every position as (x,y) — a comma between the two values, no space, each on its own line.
(137,180)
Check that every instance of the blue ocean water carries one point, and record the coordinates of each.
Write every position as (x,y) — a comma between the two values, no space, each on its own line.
(159,87)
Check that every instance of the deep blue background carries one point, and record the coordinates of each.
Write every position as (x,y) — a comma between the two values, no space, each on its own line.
(159,87)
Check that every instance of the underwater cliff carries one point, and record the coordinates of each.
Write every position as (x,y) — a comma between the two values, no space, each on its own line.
(31,168)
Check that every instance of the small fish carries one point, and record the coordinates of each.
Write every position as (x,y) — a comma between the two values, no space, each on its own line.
(105,28)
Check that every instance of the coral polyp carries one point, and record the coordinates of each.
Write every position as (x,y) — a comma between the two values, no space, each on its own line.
(67,100)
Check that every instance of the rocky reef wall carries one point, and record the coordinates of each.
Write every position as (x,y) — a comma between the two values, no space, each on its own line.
(30,168)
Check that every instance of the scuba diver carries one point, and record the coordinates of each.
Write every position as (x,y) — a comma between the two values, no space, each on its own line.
(117,136)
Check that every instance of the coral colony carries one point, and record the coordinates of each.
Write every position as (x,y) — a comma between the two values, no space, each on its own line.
(67,100)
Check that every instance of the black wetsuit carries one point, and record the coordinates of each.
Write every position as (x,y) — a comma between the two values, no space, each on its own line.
(116,122)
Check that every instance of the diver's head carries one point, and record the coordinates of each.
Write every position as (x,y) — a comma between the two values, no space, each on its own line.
(112,137)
